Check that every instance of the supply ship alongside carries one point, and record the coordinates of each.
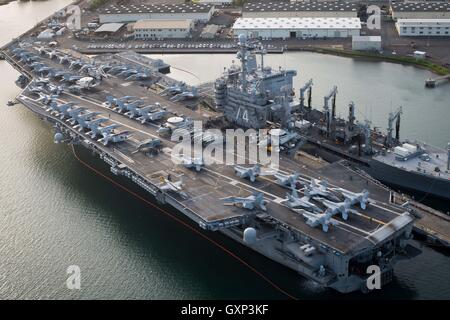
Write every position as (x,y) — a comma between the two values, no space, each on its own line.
(326,222)
(410,165)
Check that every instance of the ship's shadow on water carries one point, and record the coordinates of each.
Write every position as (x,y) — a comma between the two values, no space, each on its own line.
(165,259)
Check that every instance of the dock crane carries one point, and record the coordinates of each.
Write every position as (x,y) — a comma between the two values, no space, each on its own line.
(393,116)
(306,87)
(329,116)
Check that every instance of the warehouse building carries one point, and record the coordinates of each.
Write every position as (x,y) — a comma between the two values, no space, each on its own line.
(366,43)
(300,10)
(423,27)
(271,28)
(135,12)
(420,10)
(162,29)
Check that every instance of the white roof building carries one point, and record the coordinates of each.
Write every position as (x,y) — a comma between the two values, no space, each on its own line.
(423,27)
(109,27)
(134,12)
(366,43)
(268,28)
(162,29)
(281,9)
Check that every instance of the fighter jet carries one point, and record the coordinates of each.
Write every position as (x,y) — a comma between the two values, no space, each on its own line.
(132,108)
(319,188)
(76,63)
(117,69)
(46,99)
(75,115)
(35,89)
(138,112)
(121,106)
(126,73)
(256,200)
(114,137)
(43,70)
(57,73)
(192,163)
(52,54)
(321,219)
(112,101)
(189,94)
(84,121)
(104,68)
(16,51)
(287,180)
(174,89)
(27,57)
(337,207)
(98,130)
(67,77)
(138,76)
(149,146)
(60,109)
(354,198)
(64,59)
(249,173)
(86,67)
(36,65)
(54,89)
(293,201)
(176,187)
(153,116)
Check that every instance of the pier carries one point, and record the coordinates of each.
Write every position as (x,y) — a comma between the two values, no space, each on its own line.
(433,82)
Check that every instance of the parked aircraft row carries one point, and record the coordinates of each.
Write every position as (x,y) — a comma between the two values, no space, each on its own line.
(135,108)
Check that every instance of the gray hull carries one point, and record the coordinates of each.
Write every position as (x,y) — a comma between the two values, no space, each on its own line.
(415,181)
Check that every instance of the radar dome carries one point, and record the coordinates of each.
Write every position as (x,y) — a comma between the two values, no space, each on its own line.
(250,235)
(58,137)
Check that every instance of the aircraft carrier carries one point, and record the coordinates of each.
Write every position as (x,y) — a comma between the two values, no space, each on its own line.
(326,222)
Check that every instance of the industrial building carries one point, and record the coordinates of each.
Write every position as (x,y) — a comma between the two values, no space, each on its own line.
(135,12)
(162,29)
(366,43)
(269,28)
(300,10)
(420,10)
(109,28)
(423,27)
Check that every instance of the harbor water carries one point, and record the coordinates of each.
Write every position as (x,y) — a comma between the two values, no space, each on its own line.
(54,212)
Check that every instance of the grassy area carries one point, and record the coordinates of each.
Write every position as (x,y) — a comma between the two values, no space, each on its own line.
(438,69)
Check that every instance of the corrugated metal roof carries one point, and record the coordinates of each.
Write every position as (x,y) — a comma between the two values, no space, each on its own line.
(155,8)
(297,23)
(109,27)
(421,7)
(299,6)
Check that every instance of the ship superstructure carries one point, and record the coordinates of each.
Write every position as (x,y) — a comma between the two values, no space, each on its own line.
(250,94)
